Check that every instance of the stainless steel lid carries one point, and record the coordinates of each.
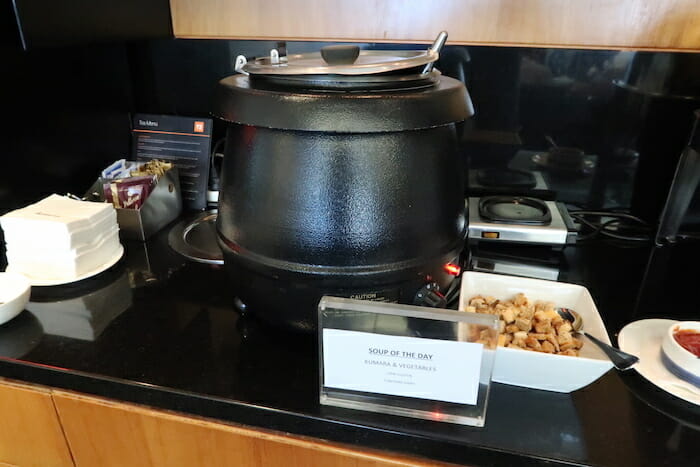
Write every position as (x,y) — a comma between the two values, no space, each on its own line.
(344,60)
(368,62)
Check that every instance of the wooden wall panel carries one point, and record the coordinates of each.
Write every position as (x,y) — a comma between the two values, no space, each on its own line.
(104,433)
(30,432)
(610,24)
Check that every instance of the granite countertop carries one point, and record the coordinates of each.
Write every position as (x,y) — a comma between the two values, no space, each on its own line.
(161,331)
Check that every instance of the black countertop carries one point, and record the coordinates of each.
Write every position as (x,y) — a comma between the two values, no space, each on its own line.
(161,331)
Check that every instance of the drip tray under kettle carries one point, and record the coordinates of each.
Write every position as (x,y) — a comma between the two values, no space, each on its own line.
(195,238)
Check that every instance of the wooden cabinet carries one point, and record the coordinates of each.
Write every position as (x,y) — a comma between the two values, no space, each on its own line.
(611,24)
(30,432)
(46,427)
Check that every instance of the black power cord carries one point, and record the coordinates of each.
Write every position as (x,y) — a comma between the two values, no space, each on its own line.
(214,182)
(619,226)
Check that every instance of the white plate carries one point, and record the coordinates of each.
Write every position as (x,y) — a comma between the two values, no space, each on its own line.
(559,373)
(49,281)
(14,295)
(643,338)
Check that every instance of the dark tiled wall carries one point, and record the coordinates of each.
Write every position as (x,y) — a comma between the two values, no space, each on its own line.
(67,114)
(625,115)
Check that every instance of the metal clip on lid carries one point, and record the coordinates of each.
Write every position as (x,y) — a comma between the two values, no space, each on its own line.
(240,62)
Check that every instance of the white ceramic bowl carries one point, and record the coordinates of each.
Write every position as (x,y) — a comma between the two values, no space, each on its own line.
(679,356)
(548,372)
(14,295)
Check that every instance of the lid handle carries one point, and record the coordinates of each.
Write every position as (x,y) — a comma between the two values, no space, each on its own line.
(340,54)
(436,47)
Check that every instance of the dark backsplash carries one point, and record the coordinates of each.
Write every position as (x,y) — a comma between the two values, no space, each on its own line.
(629,114)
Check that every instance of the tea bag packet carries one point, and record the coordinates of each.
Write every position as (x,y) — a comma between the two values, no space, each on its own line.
(119,169)
(129,193)
(129,183)
(153,167)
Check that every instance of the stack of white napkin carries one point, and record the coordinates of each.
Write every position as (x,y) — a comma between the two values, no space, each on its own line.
(60,239)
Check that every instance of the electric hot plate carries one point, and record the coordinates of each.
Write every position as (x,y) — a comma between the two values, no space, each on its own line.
(514,210)
(520,219)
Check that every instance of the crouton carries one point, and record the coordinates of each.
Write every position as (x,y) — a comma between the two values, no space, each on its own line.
(525,324)
(512,328)
(508,315)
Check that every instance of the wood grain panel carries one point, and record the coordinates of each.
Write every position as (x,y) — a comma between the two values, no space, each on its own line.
(30,432)
(107,433)
(610,24)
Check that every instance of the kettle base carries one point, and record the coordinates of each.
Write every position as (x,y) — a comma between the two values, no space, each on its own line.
(292,302)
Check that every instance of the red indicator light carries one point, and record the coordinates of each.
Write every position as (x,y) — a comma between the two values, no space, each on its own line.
(452,269)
